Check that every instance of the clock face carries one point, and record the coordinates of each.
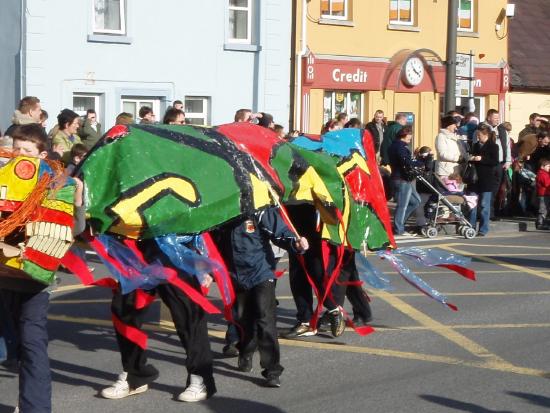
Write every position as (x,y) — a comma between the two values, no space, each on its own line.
(414,71)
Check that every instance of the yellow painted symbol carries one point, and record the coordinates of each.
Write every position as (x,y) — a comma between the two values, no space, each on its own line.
(129,209)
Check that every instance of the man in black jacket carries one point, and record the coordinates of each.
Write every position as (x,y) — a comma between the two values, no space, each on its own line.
(405,194)
(376,127)
(245,248)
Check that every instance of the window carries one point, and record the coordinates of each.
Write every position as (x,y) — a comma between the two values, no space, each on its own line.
(132,105)
(334,9)
(109,16)
(342,102)
(84,101)
(402,12)
(466,15)
(240,21)
(197,110)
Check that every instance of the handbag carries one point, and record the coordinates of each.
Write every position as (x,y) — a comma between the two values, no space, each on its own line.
(469,176)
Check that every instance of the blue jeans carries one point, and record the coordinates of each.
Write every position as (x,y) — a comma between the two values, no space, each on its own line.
(484,205)
(407,200)
(29,311)
(8,342)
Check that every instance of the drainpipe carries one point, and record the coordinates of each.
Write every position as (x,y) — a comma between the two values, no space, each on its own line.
(22,48)
(301,53)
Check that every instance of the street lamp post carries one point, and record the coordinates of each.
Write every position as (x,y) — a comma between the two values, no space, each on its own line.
(450,63)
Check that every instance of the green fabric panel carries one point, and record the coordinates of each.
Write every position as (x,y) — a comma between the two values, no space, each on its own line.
(365,225)
(140,156)
(38,273)
(65,194)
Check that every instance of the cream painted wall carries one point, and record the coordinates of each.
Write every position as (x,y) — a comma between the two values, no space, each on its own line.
(520,105)
(316,111)
(369,34)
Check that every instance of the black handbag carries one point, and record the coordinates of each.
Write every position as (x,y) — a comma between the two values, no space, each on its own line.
(469,176)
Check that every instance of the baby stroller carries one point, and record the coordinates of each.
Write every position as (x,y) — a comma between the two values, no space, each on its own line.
(445,209)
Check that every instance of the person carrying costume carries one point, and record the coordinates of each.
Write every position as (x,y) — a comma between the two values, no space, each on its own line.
(311,264)
(27,298)
(245,248)
(189,319)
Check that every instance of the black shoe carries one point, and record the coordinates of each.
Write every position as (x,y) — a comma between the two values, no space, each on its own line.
(245,364)
(272,382)
(323,324)
(301,330)
(230,350)
(337,322)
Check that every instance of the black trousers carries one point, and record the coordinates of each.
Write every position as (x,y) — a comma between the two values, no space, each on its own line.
(256,315)
(190,322)
(355,293)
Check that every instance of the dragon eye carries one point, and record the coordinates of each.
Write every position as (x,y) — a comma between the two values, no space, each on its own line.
(25,169)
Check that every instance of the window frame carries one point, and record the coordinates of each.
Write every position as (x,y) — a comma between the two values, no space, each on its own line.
(97,102)
(332,17)
(347,100)
(196,115)
(122,12)
(154,100)
(400,22)
(249,10)
(472,17)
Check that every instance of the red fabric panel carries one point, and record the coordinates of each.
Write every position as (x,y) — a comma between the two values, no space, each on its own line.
(133,334)
(465,272)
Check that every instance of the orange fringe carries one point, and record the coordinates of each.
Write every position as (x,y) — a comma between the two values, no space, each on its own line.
(31,204)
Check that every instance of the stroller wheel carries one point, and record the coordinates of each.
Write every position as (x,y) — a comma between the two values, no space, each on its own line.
(460,230)
(423,231)
(431,232)
(469,233)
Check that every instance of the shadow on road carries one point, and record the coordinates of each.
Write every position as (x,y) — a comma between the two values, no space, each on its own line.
(532,398)
(226,404)
(458,405)
(522,262)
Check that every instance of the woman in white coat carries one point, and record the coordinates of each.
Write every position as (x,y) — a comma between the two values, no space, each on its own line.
(449,148)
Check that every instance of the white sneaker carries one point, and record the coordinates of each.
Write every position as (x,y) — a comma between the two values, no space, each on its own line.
(195,392)
(121,389)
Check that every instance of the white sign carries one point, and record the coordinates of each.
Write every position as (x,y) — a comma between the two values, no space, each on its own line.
(462,88)
(359,76)
(464,65)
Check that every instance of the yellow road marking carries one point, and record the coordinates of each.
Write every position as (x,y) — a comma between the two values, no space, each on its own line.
(445,331)
(72,287)
(288,297)
(470,327)
(500,263)
(501,367)
(498,246)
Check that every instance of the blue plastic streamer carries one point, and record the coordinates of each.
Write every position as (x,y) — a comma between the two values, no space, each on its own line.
(432,257)
(176,248)
(414,279)
(136,275)
(371,275)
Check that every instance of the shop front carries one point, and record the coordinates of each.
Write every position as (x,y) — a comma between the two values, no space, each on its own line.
(411,83)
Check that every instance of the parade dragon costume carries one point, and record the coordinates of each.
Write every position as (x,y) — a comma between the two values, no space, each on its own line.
(175,183)
(36,224)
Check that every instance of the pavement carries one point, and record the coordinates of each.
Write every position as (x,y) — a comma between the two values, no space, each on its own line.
(489,357)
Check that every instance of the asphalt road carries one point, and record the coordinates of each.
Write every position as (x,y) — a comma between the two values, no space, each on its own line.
(491,356)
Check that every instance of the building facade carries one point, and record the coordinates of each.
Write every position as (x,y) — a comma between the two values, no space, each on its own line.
(529,58)
(118,55)
(358,56)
